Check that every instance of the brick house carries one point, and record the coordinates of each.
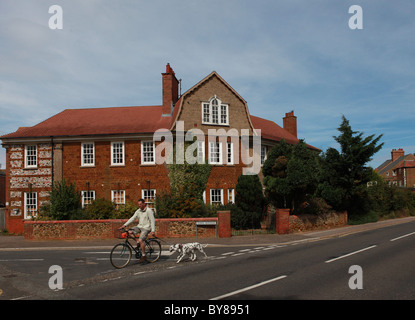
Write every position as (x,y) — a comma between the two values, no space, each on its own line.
(110,152)
(399,170)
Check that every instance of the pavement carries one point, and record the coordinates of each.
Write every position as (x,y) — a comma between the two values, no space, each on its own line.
(13,243)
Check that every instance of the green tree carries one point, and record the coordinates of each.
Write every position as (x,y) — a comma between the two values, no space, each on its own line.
(344,172)
(249,203)
(64,202)
(291,172)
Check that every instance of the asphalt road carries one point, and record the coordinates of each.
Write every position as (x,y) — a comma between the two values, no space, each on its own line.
(309,269)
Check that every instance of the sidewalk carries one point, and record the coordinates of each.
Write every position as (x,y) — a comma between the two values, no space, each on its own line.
(9,242)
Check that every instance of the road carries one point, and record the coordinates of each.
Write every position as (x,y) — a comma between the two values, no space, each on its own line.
(315,268)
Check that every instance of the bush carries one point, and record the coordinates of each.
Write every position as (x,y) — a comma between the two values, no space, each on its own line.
(100,209)
(64,203)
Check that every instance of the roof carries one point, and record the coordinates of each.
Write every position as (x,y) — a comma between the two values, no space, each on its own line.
(389,164)
(97,121)
(407,164)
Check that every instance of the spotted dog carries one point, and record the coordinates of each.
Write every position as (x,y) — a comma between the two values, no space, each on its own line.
(187,249)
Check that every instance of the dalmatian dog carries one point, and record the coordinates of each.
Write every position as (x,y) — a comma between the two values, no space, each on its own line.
(187,249)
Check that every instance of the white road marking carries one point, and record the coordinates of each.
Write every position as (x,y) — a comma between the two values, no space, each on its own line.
(248,288)
(350,254)
(406,235)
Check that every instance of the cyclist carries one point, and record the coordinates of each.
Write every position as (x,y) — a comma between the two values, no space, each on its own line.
(146,225)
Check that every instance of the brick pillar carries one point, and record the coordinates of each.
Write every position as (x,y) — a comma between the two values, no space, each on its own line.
(282,221)
(224,224)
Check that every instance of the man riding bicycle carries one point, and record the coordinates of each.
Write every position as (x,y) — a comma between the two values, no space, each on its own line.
(146,225)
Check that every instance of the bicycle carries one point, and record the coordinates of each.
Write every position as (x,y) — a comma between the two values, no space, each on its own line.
(122,253)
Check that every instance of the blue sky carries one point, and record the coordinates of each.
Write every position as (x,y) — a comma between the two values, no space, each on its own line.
(278,55)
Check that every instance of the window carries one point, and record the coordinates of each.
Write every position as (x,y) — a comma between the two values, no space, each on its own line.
(149,195)
(263,154)
(118,196)
(117,153)
(30,204)
(87,197)
(147,152)
(216,196)
(215,153)
(229,153)
(31,156)
(215,112)
(88,154)
(231,195)
(201,152)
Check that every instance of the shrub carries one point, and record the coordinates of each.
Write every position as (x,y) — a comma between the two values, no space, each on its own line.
(100,209)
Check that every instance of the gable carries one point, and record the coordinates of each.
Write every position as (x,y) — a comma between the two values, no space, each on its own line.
(189,109)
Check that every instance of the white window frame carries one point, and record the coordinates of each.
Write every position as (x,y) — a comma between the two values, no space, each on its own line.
(31,156)
(146,154)
(213,152)
(231,195)
(85,146)
(30,205)
(118,196)
(215,112)
(149,196)
(263,154)
(117,152)
(87,197)
(229,153)
(201,152)
(214,193)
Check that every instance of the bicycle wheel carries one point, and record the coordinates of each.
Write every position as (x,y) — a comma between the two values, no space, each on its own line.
(120,255)
(153,250)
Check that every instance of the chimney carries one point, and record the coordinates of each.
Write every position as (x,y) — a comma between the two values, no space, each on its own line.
(170,90)
(396,154)
(290,123)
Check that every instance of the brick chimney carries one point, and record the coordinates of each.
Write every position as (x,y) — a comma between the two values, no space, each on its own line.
(290,123)
(170,90)
(396,154)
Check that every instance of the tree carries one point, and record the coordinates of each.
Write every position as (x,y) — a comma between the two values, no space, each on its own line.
(344,172)
(291,173)
(64,202)
(249,201)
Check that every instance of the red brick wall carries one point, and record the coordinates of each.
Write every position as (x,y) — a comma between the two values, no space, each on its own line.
(103,177)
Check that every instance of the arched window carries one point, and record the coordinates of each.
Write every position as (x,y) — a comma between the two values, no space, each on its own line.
(215,112)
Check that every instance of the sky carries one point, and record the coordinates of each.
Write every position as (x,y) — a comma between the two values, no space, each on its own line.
(279,55)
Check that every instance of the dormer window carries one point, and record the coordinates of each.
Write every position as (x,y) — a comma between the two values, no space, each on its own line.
(215,112)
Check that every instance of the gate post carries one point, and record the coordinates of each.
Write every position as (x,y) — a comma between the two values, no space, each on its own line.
(282,221)
(224,224)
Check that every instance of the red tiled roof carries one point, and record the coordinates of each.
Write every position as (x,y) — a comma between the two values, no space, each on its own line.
(125,120)
(97,121)
(407,164)
(272,131)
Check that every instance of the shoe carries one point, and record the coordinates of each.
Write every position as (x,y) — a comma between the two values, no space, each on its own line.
(142,259)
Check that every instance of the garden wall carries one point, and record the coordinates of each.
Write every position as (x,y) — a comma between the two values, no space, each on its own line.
(107,229)
(309,222)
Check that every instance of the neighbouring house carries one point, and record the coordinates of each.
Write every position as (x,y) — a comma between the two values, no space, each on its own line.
(399,170)
(2,187)
(112,153)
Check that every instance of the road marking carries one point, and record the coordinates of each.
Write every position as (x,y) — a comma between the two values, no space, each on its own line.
(227,253)
(350,254)
(20,260)
(243,250)
(238,254)
(248,288)
(406,235)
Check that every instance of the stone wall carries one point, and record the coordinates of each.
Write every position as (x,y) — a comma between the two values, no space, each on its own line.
(106,229)
(317,222)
